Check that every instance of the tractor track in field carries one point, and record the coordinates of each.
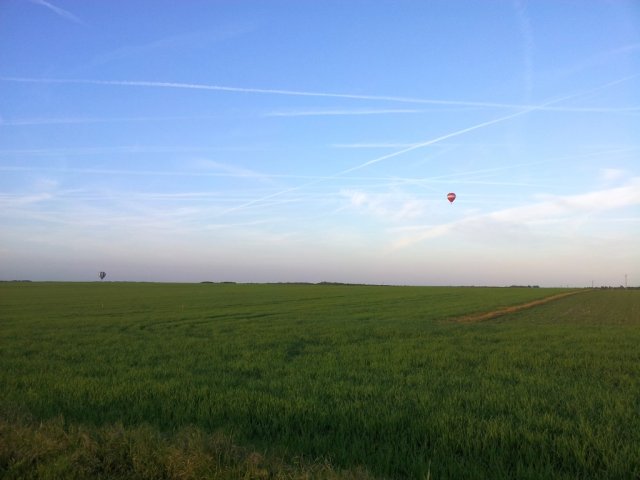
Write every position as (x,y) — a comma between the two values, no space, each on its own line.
(480,317)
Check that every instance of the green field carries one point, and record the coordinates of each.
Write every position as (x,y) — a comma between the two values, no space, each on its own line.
(123,380)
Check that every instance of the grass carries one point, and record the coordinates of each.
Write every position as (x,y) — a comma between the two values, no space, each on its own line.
(357,380)
(54,449)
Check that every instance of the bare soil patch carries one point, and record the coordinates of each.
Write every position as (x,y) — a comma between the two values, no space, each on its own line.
(480,317)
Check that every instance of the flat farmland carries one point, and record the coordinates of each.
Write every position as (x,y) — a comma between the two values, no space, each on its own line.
(134,380)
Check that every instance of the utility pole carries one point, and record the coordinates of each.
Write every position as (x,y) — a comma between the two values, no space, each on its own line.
(625,280)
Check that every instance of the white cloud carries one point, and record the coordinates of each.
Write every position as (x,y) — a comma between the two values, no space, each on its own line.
(568,209)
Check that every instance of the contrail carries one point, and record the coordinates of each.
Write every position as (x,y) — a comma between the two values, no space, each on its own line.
(474,127)
(316,178)
(221,88)
(436,140)
(89,120)
(375,160)
(119,149)
(315,113)
(430,142)
(59,11)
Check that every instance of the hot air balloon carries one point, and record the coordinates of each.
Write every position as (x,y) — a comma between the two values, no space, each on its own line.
(451,196)
(102,275)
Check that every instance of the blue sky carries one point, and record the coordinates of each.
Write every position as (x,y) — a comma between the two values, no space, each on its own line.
(259,141)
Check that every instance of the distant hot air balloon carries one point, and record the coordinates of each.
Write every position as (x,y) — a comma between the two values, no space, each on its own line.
(102,275)
(451,197)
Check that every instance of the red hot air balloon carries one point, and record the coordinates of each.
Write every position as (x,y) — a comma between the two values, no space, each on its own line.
(451,197)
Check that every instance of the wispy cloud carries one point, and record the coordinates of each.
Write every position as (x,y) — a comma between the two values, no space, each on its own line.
(59,11)
(199,86)
(71,151)
(247,174)
(237,173)
(612,174)
(453,134)
(218,226)
(596,60)
(597,201)
(231,170)
(357,112)
(188,40)
(554,208)
(89,120)
(13,200)
(394,206)
(459,177)
(371,145)
(379,159)
(436,140)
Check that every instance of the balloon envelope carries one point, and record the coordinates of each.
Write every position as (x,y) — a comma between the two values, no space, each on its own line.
(451,197)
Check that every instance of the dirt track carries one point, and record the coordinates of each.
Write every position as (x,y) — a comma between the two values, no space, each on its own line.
(479,317)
